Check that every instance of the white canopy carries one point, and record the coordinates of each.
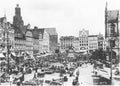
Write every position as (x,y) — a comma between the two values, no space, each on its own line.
(1,55)
(71,55)
(13,54)
(57,64)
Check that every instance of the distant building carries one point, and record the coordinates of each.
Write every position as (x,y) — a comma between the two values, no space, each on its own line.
(92,43)
(83,44)
(48,40)
(6,35)
(66,42)
(76,44)
(20,30)
(83,39)
(35,40)
(104,44)
(53,39)
(100,41)
(29,40)
(41,41)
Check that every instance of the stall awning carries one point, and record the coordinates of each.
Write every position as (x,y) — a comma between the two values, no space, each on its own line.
(57,64)
(13,54)
(1,55)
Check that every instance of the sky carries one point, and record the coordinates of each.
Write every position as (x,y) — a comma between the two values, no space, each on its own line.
(67,16)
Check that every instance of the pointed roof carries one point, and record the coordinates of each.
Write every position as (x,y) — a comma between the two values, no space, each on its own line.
(93,36)
(35,32)
(51,31)
(18,32)
(2,19)
(41,31)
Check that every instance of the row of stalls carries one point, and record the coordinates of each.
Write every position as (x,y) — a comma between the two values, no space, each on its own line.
(13,62)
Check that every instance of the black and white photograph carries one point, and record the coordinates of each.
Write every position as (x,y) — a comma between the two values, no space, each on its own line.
(59,42)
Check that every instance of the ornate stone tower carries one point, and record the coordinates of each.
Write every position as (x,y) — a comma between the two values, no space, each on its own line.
(112,33)
(17,19)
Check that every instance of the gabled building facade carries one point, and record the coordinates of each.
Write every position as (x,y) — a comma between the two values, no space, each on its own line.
(29,40)
(6,35)
(23,38)
(48,40)
(43,41)
(100,41)
(35,33)
(76,44)
(53,39)
(83,39)
(66,42)
(20,30)
(92,43)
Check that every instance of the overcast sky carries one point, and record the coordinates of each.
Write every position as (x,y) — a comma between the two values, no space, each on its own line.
(67,16)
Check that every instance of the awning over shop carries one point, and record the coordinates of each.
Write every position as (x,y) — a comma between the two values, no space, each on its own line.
(45,55)
(57,64)
(13,54)
(98,62)
(71,55)
(1,55)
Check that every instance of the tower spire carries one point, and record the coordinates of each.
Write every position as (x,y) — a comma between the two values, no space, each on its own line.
(5,13)
(106,6)
(106,20)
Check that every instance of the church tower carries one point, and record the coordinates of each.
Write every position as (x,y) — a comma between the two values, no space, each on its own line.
(17,19)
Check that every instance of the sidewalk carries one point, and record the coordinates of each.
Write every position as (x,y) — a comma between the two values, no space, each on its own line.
(85,77)
(106,73)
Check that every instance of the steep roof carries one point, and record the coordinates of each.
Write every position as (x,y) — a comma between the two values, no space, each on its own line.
(2,19)
(35,33)
(51,31)
(18,30)
(93,36)
(67,37)
(41,31)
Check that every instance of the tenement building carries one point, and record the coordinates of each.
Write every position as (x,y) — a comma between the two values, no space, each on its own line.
(29,40)
(85,43)
(23,39)
(48,40)
(66,42)
(100,41)
(92,43)
(35,33)
(76,44)
(6,35)
(20,30)
(83,39)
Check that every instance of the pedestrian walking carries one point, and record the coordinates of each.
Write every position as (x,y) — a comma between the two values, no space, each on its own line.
(11,79)
(24,69)
(18,82)
(22,78)
(77,78)
(35,75)
(77,73)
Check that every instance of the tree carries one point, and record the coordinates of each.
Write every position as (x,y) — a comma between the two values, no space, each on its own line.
(99,54)
(57,51)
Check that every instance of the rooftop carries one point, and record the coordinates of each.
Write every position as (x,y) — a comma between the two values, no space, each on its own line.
(51,31)
(93,36)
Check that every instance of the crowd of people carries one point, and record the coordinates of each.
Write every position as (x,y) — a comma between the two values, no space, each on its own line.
(30,65)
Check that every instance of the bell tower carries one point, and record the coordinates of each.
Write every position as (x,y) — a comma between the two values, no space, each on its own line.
(17,19)
(17,10)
